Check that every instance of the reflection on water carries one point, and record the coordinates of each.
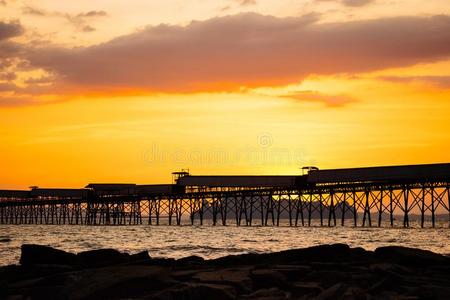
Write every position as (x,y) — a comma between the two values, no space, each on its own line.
(209,241)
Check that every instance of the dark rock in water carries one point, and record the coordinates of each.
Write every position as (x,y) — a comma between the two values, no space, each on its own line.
(39,254)
(322,272)
(102,257)
(238,278)
(116,282)
(267,294)
(190,260)
(140,256)
(44,255)
(410,256)
(167,262)
(211,291)
(335,252)
(292,272)
(306,288)
(327,278)
(334,292)
(263,278)
(195,291)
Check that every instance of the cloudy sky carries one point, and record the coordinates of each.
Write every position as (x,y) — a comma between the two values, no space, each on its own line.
(129,91)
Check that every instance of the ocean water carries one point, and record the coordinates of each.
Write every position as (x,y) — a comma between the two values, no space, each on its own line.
(211,241)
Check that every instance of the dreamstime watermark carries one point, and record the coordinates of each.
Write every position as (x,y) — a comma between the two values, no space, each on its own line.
(265,139)
(264,153)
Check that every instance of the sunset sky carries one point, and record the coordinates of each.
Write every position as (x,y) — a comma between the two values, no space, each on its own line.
(129,91)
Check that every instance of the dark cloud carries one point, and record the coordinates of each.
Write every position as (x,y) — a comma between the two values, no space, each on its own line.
(8,76)
(357,2)
(28,10)
(6,2)
(88,28)
(10,29)
(78,20)
(7,87)
(439,81)
(246,50)
(9,50)
(326,99)
(93,13)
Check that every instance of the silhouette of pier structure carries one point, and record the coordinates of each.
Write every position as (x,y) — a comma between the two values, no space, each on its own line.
(373,196)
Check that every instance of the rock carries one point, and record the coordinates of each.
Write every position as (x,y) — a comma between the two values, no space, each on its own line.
(117,282)
(331,253)
(356,293)
(39,254)
(102,257)
(140,256)
(325,272)
(272,293)
(167,262)
(410,256)
(389,268)
(195,291)
(239,278)
(334,292)
(234,260)
(359,254)
(327,278)
(265,278)
(190,260)
(292,272)
(306,289)
(323,253)
(184,275)
(213,291)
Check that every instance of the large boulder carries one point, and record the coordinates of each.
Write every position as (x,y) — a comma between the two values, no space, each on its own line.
(264,278)
(211,291)
(102,257)
(410,256)
(116,282)
(194,291)
(45,255)
(140,256)
(190,260)
(332,253)
(323,253)
(238,278)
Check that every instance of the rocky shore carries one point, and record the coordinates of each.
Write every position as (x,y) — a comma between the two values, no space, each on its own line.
(323,272)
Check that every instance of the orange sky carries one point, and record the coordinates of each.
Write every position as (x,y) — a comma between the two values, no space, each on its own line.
(94,91)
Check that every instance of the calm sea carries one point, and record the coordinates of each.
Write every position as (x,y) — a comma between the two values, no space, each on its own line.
(210,242)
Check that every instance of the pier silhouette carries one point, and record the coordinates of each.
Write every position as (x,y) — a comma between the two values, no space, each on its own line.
(373,196)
